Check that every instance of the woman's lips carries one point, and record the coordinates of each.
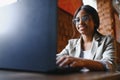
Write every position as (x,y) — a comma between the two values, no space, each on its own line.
(82,27)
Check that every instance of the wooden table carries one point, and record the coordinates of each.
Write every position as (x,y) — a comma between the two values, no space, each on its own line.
(19,75)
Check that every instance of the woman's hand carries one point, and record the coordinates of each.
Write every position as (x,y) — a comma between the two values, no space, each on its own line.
(70,61)
(78,63)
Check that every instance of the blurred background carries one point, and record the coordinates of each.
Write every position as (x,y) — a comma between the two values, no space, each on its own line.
(109,11)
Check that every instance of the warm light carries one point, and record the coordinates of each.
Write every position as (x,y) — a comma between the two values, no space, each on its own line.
(92,3)
(8,16)
(6,2)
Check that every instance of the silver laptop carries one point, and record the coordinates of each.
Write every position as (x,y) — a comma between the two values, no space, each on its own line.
(28,35)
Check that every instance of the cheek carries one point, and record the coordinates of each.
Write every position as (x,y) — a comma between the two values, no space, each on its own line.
(91,25)
(77,27)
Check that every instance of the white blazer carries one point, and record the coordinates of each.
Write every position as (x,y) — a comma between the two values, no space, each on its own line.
(103,50)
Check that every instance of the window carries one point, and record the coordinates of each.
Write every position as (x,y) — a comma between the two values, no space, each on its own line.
(6,2)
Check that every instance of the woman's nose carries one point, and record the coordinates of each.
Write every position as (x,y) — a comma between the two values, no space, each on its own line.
(81,22)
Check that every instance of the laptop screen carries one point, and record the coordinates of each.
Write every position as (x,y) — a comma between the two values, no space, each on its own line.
(28,35)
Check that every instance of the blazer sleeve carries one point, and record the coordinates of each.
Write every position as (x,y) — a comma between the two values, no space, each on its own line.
(66,51)
(109,54)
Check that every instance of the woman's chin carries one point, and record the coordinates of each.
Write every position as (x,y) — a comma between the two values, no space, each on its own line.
(83,32)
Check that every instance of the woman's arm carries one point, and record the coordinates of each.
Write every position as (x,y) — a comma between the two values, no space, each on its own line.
(80,63)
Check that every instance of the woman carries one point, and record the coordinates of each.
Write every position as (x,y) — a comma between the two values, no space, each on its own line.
(92,51)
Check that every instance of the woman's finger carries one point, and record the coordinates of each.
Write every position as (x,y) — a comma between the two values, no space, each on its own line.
(67,61)
(60,60)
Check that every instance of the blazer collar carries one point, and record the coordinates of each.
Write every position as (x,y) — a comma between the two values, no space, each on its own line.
(78,47)
(95,44)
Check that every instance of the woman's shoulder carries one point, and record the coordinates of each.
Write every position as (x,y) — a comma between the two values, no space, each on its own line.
(107,39)
(102,36)
(73,41)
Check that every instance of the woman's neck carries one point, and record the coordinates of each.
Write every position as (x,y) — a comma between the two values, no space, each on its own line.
(87,38)
(86,42)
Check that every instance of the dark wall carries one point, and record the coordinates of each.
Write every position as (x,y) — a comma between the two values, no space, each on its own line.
(65,29)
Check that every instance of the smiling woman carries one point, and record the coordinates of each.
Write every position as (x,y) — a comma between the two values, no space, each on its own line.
(6,2)
(92,51)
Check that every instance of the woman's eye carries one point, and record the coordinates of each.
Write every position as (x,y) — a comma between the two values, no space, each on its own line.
(77,19)
(85,18)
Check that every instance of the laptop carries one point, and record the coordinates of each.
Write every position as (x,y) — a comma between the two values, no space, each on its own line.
(28,35)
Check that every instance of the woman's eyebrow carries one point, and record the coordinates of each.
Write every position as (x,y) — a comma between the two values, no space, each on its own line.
(82,16)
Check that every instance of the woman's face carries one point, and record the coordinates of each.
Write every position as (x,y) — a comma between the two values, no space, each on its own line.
(84,23)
